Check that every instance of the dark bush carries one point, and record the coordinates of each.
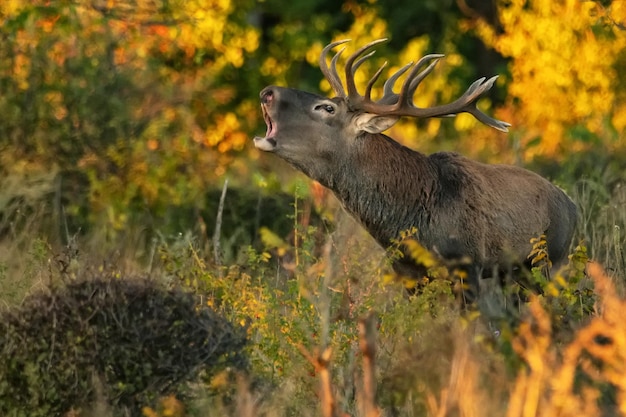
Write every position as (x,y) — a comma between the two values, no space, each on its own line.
(130,340)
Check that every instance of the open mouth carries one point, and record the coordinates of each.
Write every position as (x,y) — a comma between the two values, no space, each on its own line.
(268,122)
(268,143)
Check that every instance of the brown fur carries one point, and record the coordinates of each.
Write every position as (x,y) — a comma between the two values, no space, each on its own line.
(462,209)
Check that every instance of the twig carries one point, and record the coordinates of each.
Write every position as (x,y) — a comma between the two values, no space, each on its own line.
(53,342)
(246,404)
(467,10)
(324,297)
(218,226)
(321,362)
(367,342)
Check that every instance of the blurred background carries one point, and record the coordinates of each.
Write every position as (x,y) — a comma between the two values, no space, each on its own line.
(120,120)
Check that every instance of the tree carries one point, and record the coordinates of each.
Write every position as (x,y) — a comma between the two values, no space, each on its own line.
(566,58)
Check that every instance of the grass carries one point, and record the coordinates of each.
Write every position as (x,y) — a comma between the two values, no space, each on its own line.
(330,334)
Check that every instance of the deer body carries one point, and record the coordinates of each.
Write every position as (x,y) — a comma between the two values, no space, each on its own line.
(462,209)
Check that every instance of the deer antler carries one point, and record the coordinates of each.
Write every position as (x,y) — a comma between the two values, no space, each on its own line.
(392,104)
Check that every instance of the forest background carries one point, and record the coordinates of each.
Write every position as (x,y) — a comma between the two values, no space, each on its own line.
(120,121)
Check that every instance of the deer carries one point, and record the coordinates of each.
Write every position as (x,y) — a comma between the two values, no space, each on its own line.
(484,215)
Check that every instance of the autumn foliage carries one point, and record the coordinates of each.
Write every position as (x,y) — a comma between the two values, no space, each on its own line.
(566,87)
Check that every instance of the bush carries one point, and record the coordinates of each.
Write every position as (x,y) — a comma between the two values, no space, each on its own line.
(129,340)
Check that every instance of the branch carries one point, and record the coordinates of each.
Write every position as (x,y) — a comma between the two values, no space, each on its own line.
(367,343)
(321,362)
(218,226)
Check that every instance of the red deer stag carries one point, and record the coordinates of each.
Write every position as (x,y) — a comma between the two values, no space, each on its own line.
(462,209)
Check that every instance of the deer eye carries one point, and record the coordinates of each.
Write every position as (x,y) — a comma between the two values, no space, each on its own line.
(326,107)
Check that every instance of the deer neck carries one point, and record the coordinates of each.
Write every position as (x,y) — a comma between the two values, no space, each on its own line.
(387,187)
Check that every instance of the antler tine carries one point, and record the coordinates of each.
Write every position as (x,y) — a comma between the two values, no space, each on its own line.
(465,103)
(391,81)
(477,89)
(370,84)
(333,67)
(351,86)
(413,80)
(489,121)
(331,73)
(467,100)
(360,61)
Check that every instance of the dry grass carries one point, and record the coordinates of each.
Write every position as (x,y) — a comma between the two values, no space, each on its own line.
(555,380)
(569,381)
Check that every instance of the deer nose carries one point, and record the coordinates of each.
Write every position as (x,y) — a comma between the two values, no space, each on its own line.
(267,95)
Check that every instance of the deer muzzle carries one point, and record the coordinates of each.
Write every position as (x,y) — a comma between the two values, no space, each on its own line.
(267,143)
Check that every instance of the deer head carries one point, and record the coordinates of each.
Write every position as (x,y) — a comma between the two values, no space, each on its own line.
(291,115)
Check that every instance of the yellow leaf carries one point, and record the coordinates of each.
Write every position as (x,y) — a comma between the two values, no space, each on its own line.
(220,380)
(149,412)
(409,283)
(389,279)
(552,290)
(272,240)
(419,253)
(561,281)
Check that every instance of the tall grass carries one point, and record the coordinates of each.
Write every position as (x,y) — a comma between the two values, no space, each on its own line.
(301,299)
(602,223)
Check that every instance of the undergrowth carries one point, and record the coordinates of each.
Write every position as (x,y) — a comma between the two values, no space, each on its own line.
(298,299)
(128,341)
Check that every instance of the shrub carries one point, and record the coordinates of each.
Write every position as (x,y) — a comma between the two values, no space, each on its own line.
(129,340)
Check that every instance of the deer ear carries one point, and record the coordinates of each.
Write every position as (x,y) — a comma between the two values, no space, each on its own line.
(373,123)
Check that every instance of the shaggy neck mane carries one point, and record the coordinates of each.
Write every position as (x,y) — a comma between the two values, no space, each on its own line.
(377,184)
